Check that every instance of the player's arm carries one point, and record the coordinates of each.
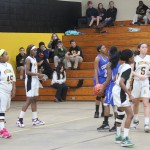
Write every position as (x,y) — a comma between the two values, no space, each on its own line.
(28,72)
(141,77)
(96,62)
(109,74)
(13,92)
(124,77)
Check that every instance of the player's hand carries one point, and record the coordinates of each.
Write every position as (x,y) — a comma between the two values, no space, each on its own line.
(40,76)
(131,97)
(142,77)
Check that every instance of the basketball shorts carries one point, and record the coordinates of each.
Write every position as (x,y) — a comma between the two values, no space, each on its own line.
(5,100)
(140,89)
(120,98)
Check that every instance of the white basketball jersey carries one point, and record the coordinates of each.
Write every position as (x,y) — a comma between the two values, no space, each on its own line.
(7,77)
(124,69)
(141,65)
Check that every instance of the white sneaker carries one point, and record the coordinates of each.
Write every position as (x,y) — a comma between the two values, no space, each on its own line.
(146,128)
(19,123)
(37,122)
(134,124)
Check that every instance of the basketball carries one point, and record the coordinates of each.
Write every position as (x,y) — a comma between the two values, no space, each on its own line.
(97,88)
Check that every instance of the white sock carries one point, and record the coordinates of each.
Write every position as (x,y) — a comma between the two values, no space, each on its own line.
(34,115)
(118,130)
(136,117)
(126,132)
(21,77)
(146,120)
(22,113)
(2,125)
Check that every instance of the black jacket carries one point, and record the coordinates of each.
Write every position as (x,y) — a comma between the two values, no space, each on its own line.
(20,60)
(111,13)
(91,12)
(141,10)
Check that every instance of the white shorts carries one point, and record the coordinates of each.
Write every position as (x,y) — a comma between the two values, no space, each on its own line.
(120,99)
(140,89)
(32,88)
(5,100)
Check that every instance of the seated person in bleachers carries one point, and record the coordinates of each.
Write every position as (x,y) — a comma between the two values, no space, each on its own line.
(91,13)
(110,15)
(74,55)
(52,45)
(58,82)
(140,13)
(148,14)
(20,60)
(42,56)
(101,13)
(60,53)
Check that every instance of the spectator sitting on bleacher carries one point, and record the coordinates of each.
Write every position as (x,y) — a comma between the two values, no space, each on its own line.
(20,60)
(102,13)
(91,13)
(60,53)
(148,14)
(52,45)
(58,82)
(74,55)
(140,13)
(42,56)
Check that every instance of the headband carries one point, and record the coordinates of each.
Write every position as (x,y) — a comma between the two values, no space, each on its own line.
(33,48)
(2,52)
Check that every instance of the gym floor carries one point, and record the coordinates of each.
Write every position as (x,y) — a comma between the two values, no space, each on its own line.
(69,126)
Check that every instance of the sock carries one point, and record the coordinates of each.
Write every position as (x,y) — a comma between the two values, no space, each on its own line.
(22,113)
(21,77)
(97,108)
(34,115)
(118,130)
(146,120)
(136,117)
(106,119)
(126,132)
(2,125)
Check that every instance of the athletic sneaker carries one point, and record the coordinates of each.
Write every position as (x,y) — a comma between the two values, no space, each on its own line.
(126,142)
(96,115)
(20,123)
(118,139)
(5,134)
(103,127)
(134,124)
(146,128)
(37,122)
(113,129)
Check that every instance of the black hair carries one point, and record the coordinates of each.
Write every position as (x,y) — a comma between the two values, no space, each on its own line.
(58,68)
(99,47)
(29,47)
(114,56)
(72,41)
(125,55)
(41,43)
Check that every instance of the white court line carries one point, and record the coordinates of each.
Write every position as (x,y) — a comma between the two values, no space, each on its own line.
(51,124)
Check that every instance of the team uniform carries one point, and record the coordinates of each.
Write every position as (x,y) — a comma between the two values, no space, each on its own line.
(7,77)
(141,88)
(108,92)
(32,82)
(102,70)
(121,98)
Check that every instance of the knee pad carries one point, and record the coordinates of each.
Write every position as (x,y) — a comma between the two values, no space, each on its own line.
(98,98)
(120,116)
(2,116)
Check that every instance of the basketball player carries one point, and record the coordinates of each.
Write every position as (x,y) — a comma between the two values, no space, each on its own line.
(121,97)
(112,70)
(32,88)
(100,73)
(7,90)
(141,90)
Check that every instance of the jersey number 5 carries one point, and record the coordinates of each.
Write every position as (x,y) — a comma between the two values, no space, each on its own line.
(143,70)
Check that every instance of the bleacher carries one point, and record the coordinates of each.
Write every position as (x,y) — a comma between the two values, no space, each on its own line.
(117,35)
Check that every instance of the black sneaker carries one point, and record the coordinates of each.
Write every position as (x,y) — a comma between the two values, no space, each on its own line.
(96,115)
(113,129)
(103,127)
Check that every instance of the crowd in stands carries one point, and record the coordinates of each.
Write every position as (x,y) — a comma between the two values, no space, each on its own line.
(104,17)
